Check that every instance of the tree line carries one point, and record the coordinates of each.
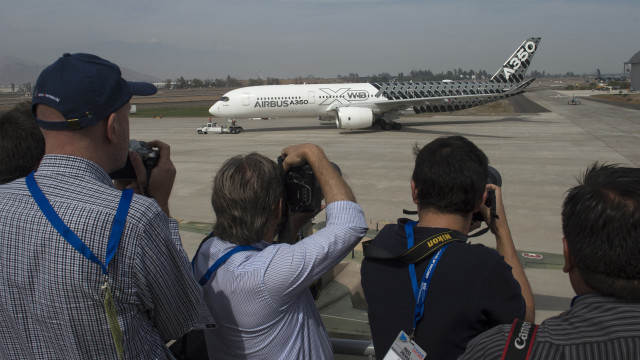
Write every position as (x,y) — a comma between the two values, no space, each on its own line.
(413,75)
(229,81)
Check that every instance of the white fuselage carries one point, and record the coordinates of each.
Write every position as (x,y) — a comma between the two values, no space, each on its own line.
(360,105)
(307,100)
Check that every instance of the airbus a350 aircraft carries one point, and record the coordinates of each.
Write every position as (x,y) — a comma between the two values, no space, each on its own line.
(361,105)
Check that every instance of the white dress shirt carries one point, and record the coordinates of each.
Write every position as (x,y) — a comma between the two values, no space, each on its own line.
(260,300)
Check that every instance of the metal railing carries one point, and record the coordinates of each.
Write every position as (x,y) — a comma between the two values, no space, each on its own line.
(353,347)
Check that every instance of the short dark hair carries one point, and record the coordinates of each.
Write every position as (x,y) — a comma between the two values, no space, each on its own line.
(21,143)
(246,194)
(601,222)
(450,175)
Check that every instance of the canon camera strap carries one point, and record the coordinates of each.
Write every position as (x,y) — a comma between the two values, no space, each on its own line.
(423,249)
(520,341)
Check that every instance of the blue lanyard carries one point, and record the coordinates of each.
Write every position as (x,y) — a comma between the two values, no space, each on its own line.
(420,293)
(408,229)
(213,268)
(73,239)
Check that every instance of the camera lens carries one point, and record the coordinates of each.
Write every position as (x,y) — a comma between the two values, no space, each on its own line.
(494,177)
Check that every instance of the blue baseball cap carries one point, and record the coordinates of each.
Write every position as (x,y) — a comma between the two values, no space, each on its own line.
(85,89)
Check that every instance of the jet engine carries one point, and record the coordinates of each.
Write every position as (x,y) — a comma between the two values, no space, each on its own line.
(354,118)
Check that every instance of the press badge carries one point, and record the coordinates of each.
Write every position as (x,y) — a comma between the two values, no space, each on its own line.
(403,348)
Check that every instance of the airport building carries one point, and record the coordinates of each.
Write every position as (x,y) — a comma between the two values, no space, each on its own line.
(634,65)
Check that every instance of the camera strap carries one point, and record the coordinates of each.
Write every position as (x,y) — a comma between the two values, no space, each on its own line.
(221,260)
(71,237)
(520,341)
(420,293)
(415,253)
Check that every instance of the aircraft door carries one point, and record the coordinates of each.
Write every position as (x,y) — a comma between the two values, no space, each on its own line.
(245,99)
(312,97)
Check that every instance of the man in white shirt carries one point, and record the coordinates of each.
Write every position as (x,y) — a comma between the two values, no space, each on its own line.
(259,295)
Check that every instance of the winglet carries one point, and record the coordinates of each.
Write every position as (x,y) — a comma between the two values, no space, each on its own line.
(516,66)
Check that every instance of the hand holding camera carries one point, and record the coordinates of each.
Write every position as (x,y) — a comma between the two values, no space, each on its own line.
(302,189)
(148,171)
(492,211)
(147,156)
(489,209)
(308,177)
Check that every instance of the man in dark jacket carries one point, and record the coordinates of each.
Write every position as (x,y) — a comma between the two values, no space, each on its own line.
(457,290)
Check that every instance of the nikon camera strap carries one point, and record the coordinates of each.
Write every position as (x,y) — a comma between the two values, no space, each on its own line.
(423,249)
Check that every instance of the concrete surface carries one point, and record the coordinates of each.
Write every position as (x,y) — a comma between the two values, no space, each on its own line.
(538,155)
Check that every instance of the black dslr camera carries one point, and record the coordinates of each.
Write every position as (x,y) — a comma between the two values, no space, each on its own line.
(494,179)
(304,195)
(149,158)
(302,190)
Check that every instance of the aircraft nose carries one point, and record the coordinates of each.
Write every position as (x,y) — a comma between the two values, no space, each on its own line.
(214,110)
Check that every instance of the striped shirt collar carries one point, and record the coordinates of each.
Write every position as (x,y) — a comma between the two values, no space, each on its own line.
(595,298)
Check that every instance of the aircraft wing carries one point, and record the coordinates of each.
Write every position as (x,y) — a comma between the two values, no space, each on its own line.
(386,105)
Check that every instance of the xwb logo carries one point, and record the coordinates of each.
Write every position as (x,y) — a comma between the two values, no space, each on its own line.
(343,96)
(357,95)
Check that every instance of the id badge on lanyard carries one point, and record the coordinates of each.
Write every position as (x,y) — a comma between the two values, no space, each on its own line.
(404,347)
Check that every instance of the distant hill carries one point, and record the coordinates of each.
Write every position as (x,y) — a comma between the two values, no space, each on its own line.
(131,75)
(152,61)
(18,72)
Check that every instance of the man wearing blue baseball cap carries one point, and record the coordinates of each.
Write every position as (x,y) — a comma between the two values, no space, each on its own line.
(90,271)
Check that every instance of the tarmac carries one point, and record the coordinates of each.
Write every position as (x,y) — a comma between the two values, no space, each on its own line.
(539,156)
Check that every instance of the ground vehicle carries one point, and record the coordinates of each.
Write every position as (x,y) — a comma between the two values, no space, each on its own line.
(574,101)
(217,129)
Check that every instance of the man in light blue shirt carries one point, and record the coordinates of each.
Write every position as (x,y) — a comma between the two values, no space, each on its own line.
(259,296)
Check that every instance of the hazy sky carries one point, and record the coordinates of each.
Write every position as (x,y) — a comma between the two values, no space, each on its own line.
(280,38)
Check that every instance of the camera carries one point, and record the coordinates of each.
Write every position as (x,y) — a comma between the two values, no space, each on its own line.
(494,179)
(302,190)
(149,158)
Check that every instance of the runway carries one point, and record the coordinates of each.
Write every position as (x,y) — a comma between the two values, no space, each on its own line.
(539,156)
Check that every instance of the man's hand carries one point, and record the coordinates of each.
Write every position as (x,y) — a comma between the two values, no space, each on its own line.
(162,176)
(159,183)
(498,223)
(296,155)
(333,187)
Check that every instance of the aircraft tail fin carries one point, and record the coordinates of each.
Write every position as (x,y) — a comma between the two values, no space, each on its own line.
(516,66)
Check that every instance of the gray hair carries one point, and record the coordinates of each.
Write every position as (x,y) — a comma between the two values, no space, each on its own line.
(246,194)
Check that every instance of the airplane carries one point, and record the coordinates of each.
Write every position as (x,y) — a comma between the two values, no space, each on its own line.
(361,105)
(603,78)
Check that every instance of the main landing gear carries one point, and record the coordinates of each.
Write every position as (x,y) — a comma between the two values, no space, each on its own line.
(388,124)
